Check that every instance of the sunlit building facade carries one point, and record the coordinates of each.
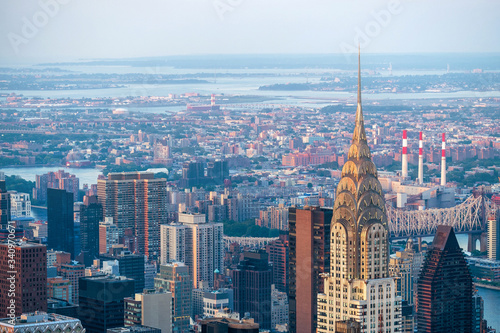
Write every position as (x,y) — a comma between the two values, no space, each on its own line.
(358,287)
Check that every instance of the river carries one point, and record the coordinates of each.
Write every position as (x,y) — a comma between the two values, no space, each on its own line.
(86,175)
(244,84)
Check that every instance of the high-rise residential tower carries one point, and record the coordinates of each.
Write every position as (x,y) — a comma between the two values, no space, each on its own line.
(358,287)
(109,235)
(59,180)
(60,220)
(172,243)
(137,202)
(494,236)
(199,242)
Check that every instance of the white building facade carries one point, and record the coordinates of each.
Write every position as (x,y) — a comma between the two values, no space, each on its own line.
(20,204)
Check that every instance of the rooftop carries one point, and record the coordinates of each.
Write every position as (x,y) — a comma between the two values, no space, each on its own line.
(36,318)
(21,243)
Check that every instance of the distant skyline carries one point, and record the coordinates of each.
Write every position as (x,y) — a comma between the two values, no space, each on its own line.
(66,30)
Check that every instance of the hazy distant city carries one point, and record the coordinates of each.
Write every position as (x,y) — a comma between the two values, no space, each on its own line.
(221,169)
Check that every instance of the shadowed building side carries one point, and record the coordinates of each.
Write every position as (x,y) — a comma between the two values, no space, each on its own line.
(445,287)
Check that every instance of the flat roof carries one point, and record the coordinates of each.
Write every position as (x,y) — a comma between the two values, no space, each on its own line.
(35,318)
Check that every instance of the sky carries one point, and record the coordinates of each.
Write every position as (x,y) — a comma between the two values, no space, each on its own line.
(66,30)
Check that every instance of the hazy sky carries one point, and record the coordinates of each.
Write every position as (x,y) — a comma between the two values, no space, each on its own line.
(32,30)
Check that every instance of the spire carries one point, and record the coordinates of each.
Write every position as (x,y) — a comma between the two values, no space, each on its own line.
(359,130)
(359,76)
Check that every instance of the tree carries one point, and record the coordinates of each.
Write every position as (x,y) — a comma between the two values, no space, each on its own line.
(16,183)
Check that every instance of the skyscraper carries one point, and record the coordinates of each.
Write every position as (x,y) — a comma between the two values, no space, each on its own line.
(109,235)
(309,258)
(72,271)
(101,301)
(279,308)
(130,265)
(193,174)
(401,268)
(203,247)
(445,287)
(59,180)
(172,243)
(494,236)
(90,216)
(478,322)
(358,287)
(27,292)
(136,201)
(278,252)
(175,278)
(217,171)
(252,282)
(60,220)
(4,205)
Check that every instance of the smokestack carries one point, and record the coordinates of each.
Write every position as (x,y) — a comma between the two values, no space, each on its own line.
(420,159)
(212,100)
(405,155)
(443,162)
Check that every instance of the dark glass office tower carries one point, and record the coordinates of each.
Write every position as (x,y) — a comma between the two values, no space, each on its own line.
(4,205)
(61,226)
(252,287)
(102,301)
(130,265)
(90,215)
(444,301)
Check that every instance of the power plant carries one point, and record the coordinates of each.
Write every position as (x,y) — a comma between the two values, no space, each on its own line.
(420,159)
(443,162)
(414,194)
(404,173)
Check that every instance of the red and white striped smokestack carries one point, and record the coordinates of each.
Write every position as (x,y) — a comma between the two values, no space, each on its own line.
(212,100)
(420,159)
(443,162)
(404,158)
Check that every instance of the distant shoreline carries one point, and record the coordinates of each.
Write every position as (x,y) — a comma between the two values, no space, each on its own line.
(487,286)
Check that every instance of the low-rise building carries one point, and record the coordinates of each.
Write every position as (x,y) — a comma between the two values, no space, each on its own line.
(41,322)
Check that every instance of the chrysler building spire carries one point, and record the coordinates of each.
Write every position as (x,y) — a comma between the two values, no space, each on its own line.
(359,130)
(359,249)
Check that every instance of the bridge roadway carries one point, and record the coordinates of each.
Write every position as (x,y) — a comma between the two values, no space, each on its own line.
(468,217)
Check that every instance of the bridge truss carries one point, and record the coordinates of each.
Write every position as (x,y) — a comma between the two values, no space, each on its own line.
(470,215)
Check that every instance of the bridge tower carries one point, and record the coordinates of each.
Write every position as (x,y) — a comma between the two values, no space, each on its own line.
(481,235)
